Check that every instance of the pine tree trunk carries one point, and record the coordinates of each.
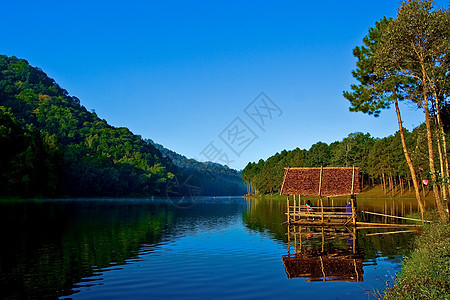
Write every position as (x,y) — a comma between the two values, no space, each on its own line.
(384,184)
(437,196)
(391,184)
(401,184)
(423,188)
(408,158)
(441,135)
(441,160)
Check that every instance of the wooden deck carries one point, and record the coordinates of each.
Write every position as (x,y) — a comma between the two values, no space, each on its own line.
(298,214)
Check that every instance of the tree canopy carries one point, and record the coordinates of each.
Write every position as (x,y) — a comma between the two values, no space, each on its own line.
(374,157)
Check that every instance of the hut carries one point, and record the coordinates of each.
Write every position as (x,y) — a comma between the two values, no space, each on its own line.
(321,182)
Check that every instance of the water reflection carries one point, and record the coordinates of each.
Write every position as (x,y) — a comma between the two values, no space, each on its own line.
(117,248)
(323,254)
(49,246)
(267,215)
(52,248)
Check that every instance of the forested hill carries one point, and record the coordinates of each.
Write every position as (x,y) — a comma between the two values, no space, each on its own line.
(215,179)
(53,146)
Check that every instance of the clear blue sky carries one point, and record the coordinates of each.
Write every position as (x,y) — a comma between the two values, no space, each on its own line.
(181,72)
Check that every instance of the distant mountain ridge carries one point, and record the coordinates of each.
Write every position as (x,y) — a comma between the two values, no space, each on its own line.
(215,179)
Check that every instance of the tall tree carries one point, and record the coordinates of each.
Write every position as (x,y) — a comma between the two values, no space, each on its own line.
(377,91)
(413,47)
(318,155)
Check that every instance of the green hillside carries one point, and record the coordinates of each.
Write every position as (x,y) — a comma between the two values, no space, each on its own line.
(53,146)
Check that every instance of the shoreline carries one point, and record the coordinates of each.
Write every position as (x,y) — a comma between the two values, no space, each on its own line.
(425,273)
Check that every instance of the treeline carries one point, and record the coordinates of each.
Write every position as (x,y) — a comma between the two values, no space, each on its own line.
(212,178)
(380,161)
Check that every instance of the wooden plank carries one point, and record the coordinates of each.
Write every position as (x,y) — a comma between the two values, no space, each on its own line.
(396,217)
(385,224)
(390,232)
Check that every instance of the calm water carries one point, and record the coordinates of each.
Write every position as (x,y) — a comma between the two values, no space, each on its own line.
(157,248)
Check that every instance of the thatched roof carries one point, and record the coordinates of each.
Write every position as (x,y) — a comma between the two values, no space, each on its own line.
(326,181)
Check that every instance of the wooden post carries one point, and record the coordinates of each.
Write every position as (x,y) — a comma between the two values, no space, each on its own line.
(295,240)
(321,205)
(353,210)
(354,239)
(295,212)
(353,180)
(320,180)
(352,197)
(287,208)
(289,238)
(299,203)
(320,192)
(323,240)
(300,237)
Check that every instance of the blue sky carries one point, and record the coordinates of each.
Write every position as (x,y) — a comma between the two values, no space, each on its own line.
(183,72)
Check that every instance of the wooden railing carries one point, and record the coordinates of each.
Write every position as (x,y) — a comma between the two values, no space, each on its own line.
(300,212)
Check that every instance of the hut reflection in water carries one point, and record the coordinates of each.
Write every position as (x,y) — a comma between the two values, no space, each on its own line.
(313,254)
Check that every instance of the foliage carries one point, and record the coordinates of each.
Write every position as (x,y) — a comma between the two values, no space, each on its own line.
(426,272)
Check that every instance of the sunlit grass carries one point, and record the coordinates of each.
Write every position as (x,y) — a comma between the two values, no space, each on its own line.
(426,271)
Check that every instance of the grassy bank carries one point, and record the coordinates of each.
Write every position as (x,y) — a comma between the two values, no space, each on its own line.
(426,271)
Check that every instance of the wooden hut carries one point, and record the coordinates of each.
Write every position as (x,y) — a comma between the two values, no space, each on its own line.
(321,182)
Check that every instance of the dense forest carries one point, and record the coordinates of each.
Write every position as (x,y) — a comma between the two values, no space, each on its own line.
(380,160)
(53,146)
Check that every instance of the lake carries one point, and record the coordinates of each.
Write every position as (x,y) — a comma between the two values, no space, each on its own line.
(226,247)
